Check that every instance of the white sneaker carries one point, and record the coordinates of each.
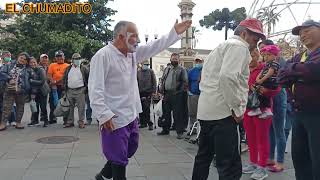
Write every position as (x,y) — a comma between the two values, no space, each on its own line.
(255,112)
(13,124)
(249,169)
(266,114)
(259,174)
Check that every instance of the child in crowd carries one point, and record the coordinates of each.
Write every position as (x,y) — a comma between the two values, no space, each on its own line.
(267,79)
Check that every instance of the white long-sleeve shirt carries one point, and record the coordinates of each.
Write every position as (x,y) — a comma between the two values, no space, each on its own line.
(113,86)
(224,81)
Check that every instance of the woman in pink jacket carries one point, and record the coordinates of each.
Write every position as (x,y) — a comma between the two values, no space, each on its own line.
(257,130)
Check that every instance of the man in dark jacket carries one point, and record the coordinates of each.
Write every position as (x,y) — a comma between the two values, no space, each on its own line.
(174,87)
(75,82)
(302,74)
(147,83)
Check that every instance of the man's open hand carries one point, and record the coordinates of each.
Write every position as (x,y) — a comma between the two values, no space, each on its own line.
(182,27)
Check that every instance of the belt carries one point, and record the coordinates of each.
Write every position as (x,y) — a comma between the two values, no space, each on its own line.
(76,88)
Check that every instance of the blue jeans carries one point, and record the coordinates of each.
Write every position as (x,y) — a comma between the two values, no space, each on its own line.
(277,135)
(289,119)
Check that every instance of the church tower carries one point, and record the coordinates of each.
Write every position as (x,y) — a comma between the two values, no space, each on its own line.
(187,54)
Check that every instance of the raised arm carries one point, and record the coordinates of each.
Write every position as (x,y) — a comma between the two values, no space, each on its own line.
(153,48)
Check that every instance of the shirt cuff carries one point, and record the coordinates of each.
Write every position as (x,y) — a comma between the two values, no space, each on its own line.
(105,117)
(239,111)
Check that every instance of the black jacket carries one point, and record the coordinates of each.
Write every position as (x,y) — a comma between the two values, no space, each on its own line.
(85,70)
(38,81)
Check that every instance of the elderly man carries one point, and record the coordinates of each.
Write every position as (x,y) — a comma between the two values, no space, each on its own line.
(302,74)
(174,83)
(222,102)
(114,93)
(194,76)
(75,82)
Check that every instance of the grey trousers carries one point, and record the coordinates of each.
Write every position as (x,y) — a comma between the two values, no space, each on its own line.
(193,108)
(77,98)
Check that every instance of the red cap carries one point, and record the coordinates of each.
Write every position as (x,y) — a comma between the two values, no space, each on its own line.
(253,25)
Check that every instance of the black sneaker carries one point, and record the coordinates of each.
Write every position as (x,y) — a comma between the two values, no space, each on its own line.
(53,122)
(45,124)
(163,132)
(180,136)
(33,124)
(150,128)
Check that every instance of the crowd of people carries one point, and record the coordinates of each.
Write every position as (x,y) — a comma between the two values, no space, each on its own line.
(244,82)
(30,80)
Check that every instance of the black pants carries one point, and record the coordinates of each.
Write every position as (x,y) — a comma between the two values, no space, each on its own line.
(145,115)
(52,106)
(175,103)
(306,145)
(41,107)
(218,137)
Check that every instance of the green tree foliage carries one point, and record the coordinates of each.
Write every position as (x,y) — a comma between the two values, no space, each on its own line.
(47,33)
(220,19)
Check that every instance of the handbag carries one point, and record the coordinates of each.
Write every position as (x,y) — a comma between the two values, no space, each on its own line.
(253,100)
(158,109)
(33,106)
(63,107)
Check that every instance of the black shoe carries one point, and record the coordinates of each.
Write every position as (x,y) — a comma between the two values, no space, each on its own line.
(52,122)
(172,128)
(118,172)
(88,123)
(45,124)
(180,136)
(163,132)
(150,128)
(34,123)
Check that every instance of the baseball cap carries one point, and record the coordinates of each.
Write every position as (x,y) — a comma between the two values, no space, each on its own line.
(253,25)
(76,56)
(59,53)
(43,55)
(308,23)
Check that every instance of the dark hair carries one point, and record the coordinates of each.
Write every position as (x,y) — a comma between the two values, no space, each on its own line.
(175,54)
(239,30)
(266,42)
(26,55)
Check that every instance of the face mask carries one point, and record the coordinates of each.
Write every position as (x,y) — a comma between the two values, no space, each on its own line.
(132,48)
(174,63)
(198,65)
(7,59)
(145,67)
(77,62)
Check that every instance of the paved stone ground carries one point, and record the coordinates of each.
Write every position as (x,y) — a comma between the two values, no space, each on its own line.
(158,158)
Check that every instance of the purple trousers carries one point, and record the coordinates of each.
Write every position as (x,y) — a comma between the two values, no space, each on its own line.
(120,144)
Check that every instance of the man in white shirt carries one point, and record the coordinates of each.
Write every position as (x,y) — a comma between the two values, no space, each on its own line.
(114,93)
(222,102)
(75,82)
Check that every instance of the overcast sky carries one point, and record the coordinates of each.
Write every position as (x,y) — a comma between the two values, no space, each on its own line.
(158,16)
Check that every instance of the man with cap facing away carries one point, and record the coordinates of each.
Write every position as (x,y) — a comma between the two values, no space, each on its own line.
(222,102)
(75,82)
(147,83)
(302,75)
(55,74)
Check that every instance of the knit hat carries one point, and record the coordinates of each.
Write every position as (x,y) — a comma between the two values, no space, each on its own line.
(273,49)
